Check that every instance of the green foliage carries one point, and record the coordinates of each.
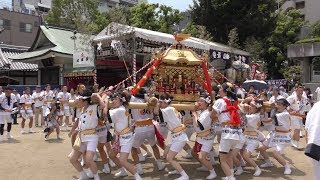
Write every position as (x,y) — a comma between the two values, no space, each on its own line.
(155,17)
(256,49)
(119,14)
(250,17)
(308,40)
(197,31)
(76,14)
(286,31)
(233,39)
(315,29)
(292,73)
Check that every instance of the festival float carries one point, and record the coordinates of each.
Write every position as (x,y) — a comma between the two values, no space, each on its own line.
(179,72)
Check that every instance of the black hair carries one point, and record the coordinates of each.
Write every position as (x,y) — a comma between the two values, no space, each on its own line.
(283,102)
(27,88)
(230,90)
(121,95)
(88,94)
(165,96)
(205,96)
(7,88)
(141,93)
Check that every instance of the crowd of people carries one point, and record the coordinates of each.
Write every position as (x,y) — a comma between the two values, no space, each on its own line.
(242,122)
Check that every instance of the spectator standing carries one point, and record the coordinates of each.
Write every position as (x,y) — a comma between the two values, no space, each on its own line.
(275,95)
(283,92)
(37,97)
(15,115)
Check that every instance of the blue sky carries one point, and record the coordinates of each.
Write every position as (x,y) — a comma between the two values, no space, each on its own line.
(177,4)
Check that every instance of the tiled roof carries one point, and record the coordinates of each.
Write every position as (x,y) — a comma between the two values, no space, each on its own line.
(8,51)
(60,42)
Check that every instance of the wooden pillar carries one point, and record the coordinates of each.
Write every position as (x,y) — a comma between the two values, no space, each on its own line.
(24,78)
(61,74)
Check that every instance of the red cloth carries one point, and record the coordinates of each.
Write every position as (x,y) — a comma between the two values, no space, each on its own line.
(197,147)
(234,114)
(159,137)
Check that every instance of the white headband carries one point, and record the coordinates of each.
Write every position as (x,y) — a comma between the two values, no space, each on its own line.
(207,100)
(123,99)
(256,104)
(165,100)
(84,97)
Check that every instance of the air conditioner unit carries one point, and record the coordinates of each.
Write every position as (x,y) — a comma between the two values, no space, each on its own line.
(33,12)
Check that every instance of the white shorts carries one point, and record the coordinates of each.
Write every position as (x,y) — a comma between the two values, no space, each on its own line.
(45,110)
(6,119)
(126,148)
(227,144)
(296,122)
(126,142)
(177,147)
(241,143)
(27,115)
(140,137)
(88,146)
(279,141)
(65,111)
(252,143)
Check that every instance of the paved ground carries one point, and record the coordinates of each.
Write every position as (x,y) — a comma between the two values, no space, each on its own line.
(29,157)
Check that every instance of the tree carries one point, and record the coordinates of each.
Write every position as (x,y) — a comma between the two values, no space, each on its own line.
(286,32)
(144,16)
(292,73)
(250,17)
(81,15)
(233,41)
(256,49)
(197,31)
(168,17)
(315,30)
(154,17)
(119,14)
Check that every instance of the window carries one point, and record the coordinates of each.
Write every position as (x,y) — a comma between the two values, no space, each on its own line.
(300,5)
(6,24)
(25,27)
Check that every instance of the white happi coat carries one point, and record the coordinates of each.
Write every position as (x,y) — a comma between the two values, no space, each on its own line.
(89,120)
(173,119)
(120,118)
(5,105)
(28,101)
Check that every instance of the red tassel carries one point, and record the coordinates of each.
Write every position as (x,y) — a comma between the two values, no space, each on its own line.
(197,147)
(159,137)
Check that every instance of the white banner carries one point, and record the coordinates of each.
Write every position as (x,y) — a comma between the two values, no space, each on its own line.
(83,58)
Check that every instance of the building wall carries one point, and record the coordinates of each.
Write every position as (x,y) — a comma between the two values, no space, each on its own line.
(14,33)
(105,5)
(309,8)
(312,12)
